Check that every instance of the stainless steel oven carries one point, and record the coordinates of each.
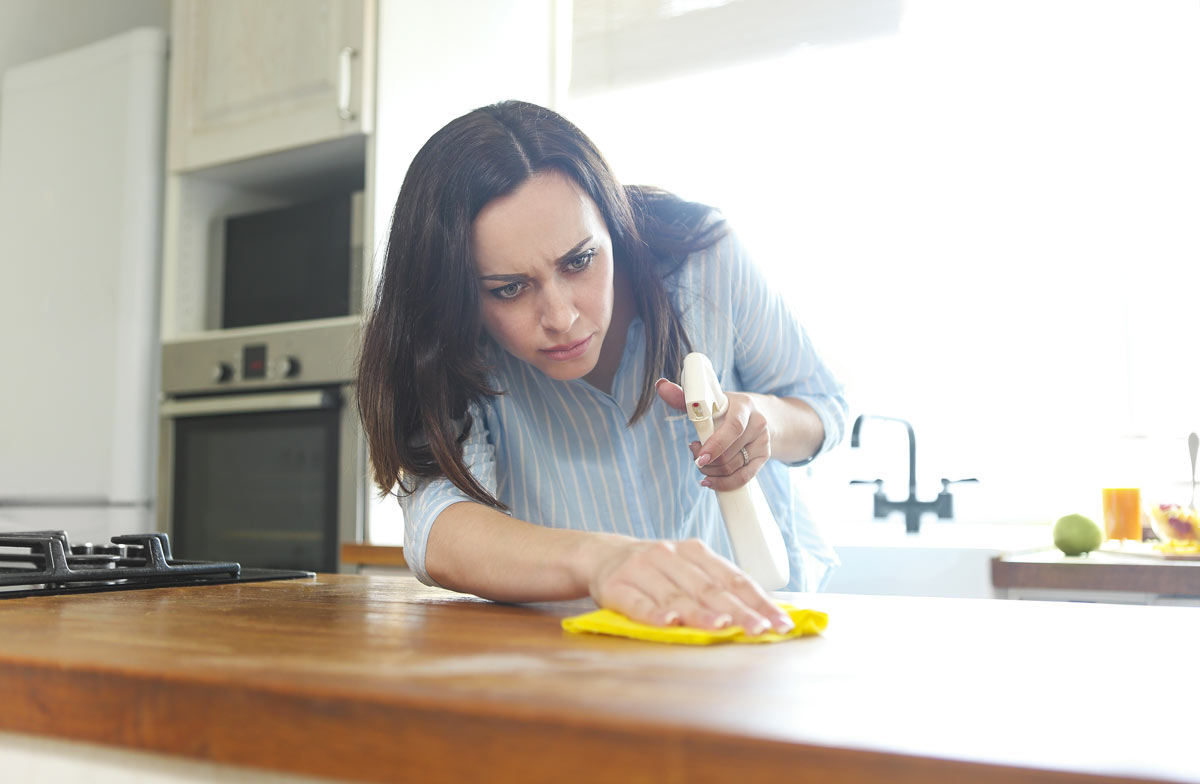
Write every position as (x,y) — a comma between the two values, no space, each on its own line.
(261,455)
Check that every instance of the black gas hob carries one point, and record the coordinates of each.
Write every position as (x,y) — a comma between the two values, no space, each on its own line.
(45,563)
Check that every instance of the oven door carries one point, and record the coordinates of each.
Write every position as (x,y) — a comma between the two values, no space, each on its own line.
(271,479)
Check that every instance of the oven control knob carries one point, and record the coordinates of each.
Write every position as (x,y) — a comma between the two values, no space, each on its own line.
(288,367)
(222,372)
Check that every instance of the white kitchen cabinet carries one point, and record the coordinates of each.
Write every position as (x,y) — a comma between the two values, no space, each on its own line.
(251,78)
(421,65)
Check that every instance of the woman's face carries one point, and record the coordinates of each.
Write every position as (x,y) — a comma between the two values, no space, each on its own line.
(543,258)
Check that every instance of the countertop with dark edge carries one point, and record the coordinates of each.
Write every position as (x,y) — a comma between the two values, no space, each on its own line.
(1139,570)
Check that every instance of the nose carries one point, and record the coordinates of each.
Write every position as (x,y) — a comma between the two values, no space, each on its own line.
(558,312)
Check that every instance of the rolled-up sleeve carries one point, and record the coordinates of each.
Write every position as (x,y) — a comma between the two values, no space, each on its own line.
(772,351)
(431,497)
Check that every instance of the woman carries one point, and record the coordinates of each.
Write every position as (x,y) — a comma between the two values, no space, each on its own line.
(512,382)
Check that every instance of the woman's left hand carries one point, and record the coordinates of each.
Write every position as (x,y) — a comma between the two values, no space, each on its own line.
(739,446)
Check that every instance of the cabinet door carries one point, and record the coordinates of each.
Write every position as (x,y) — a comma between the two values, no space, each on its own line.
(249,78)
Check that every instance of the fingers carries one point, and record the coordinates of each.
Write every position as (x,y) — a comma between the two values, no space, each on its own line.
(729,436)
(637,605)
(742,426)
(677,588)
(739,478)
(666,583)
(671,394)
(736,469)
(737,584)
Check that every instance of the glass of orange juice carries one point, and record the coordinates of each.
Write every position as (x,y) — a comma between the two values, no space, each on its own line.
(1123,513)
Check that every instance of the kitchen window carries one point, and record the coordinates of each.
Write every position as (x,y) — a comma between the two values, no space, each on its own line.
(984,213)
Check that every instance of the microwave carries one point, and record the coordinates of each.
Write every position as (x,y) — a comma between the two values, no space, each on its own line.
(295,263)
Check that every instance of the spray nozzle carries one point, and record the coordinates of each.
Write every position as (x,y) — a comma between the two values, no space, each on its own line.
(701,390)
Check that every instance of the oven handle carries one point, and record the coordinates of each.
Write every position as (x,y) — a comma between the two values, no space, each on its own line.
(246,404)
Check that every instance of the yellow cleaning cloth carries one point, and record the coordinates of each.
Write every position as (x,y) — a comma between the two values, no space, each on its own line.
(611,622)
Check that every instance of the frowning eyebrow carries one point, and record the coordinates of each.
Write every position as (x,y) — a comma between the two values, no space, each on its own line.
(514,277)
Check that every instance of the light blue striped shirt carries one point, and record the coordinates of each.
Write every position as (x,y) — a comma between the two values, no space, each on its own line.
(561,454)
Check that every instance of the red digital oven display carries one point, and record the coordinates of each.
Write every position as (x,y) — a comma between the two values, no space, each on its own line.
(254,361)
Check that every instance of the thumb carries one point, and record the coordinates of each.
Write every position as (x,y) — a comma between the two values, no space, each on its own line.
(671,394)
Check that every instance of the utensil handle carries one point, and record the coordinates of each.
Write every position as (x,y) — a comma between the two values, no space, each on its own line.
(1193,445)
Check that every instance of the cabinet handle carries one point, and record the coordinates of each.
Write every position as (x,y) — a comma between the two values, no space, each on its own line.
(344,77)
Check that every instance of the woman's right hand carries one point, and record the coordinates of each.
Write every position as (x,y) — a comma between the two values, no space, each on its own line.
(665,583)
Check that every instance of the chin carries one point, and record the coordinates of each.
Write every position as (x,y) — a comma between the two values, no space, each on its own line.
(567,371)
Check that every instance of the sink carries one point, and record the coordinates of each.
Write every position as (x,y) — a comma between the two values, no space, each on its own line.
(943,559)
(891,533)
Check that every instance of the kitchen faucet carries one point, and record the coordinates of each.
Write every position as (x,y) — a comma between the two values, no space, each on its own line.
(912,508)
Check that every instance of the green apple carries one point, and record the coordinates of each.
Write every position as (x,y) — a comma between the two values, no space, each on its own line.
(1075,534)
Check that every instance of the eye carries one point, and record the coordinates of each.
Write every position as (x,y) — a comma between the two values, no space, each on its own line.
(509,291)
(581,262)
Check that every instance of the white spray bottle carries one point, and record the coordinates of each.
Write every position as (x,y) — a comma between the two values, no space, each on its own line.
(757,542)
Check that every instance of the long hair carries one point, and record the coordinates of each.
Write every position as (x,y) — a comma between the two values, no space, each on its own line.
(421,365)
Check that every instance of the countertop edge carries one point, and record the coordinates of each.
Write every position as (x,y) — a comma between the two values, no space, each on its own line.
(1165,578)
(361,739)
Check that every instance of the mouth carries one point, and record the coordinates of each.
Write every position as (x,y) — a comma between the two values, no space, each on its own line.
(567,351)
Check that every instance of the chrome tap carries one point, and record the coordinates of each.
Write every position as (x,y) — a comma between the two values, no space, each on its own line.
(911,507)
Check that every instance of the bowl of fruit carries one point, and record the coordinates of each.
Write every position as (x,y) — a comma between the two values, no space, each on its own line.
(1175,524)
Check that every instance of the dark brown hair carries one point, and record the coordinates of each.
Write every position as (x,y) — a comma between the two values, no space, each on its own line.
(421,363)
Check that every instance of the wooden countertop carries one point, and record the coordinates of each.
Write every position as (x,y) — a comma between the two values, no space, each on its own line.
(366,554)
(1101,570)
(380,678)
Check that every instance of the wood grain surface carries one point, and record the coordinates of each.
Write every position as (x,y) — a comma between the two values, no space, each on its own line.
(382,679)
(372,554)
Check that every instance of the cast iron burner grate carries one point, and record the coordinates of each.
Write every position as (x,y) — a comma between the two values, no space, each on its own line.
(38,563)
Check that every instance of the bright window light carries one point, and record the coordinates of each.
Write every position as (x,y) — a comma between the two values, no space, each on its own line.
(989,221)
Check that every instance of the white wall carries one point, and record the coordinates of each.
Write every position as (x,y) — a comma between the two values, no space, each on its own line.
(32,29)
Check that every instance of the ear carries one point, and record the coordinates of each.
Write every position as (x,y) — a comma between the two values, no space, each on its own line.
(671,394)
